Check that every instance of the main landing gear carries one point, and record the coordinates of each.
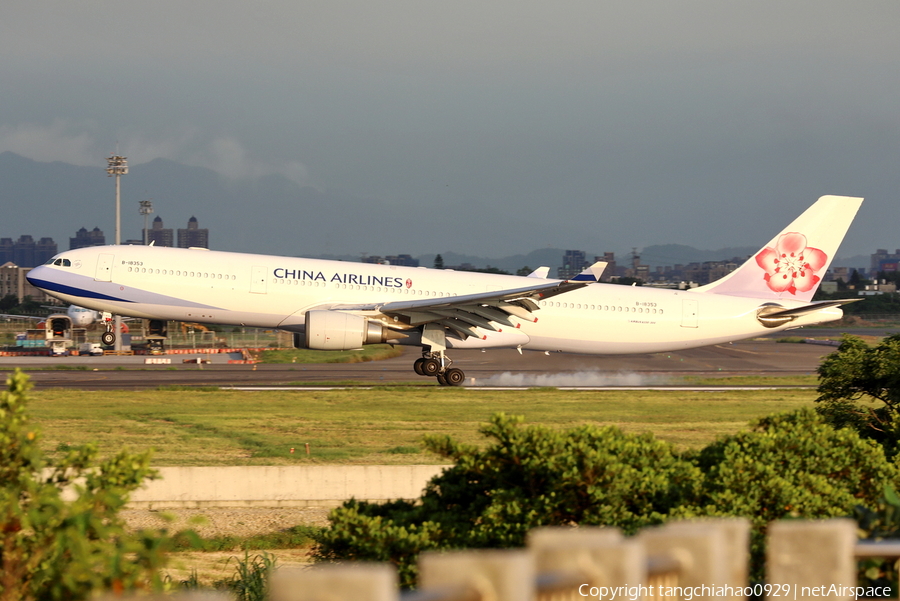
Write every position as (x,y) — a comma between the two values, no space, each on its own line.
(437,364)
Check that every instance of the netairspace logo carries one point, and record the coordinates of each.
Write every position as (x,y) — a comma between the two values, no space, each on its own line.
(576,379)
(787,592)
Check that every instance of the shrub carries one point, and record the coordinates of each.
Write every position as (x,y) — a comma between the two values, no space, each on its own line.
(527,476)
(55,548)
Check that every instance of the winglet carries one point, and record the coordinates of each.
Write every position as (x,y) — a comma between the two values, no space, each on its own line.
(541,272)
(592,273)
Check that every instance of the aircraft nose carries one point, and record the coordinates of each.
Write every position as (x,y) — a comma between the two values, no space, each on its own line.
(37,276)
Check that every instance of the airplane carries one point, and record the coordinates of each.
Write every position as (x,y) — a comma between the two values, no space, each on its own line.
(333,305)
(80,316)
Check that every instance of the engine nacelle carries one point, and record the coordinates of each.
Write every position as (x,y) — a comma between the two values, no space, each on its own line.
(339,331)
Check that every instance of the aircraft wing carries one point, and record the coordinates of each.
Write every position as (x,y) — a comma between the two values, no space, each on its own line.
(486,310)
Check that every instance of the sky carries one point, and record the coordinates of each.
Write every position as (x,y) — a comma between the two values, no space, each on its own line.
(584,124)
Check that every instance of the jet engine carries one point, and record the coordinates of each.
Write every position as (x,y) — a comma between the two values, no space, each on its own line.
(339,331)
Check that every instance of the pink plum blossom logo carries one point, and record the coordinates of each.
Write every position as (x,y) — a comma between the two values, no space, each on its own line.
(792,265)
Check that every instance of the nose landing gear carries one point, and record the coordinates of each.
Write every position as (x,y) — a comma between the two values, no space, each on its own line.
(109,336)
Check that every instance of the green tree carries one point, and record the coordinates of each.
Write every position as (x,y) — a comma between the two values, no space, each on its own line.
(524,270)
(859,388)
(790,465)
(29,306)
(628,281)
(8,303)
(438,262)
(52,547)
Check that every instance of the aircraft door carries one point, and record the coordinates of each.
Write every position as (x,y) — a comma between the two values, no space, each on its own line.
(689,313)
(258,279)
(104,268)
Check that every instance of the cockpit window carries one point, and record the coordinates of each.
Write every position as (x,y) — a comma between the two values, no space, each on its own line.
(61,263)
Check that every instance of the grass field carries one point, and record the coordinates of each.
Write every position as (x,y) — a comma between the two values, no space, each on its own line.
(375,352)
(380,426)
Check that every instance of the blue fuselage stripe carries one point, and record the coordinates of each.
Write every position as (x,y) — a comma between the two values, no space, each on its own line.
(72,291)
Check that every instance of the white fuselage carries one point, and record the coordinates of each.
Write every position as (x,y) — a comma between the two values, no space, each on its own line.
(275,292)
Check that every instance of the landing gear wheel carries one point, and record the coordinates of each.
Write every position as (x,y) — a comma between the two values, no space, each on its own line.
(442,380)
(454,377)
(108,338)
(430,367)
(417,366)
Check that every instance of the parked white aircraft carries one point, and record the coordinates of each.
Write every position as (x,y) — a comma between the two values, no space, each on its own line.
(81,317)
(338,306)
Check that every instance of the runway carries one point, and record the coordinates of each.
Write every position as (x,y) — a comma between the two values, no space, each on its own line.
(493,368)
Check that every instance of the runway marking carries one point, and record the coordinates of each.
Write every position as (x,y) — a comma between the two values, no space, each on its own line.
(739,350)
(520,388)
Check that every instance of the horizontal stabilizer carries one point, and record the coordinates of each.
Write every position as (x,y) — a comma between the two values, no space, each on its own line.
(773,316)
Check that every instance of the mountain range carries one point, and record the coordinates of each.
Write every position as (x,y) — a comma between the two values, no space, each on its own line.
(56,199)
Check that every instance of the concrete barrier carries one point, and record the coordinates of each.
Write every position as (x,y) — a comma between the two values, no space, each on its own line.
(281,486)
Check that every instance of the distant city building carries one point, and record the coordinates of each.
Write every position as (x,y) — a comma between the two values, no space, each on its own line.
(610,271)
(159,235)
(6,250)
(13,282)
(840,273)
(23,251)
(84,238)
(373,259)
(879,287)
(192,236)
(573,263)
(401,260)
(882,260)
(44,250)
(709,271)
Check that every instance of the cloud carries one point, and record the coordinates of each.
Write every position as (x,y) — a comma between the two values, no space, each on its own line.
(56,142)
(79,144)
(227,156)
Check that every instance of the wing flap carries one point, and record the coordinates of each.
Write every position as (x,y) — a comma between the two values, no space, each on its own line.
(465,314)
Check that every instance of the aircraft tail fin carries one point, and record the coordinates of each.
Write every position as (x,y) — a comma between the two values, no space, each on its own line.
(792,264)
(541,272)
(592,273)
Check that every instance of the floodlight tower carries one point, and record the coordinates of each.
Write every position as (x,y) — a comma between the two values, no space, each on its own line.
(145,209)
(117,166)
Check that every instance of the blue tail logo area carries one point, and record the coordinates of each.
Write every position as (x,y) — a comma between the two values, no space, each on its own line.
(591,274)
